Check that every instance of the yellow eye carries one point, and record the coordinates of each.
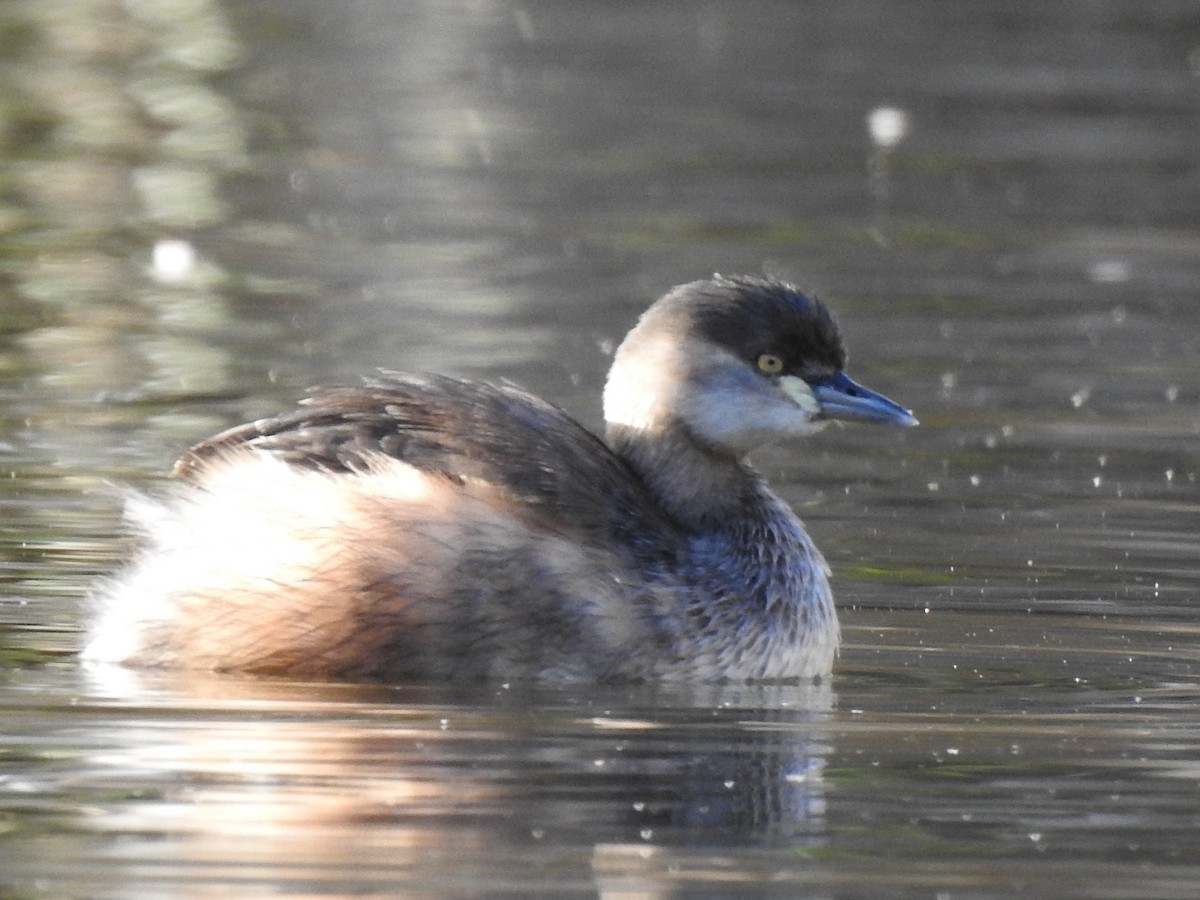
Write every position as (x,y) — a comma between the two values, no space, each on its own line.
(770,364)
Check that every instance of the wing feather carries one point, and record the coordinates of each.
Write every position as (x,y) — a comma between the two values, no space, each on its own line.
(557,471)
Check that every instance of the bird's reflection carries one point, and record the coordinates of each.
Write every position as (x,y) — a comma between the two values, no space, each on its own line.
(350,788)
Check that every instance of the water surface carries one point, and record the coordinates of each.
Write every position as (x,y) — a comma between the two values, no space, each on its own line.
(208,207)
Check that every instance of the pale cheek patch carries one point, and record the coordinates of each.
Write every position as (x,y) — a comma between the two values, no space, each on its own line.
(800,393)
(640,392)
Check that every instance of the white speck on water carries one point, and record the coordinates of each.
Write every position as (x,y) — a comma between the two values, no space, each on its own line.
(1109,271)
(887,125)
(173,260)
(525,26)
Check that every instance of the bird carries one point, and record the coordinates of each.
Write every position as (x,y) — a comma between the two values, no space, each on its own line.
(432,528)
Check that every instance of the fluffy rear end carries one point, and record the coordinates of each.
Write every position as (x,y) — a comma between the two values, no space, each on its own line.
(268,569)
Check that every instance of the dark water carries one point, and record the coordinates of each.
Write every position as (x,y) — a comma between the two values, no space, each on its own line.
(207,208)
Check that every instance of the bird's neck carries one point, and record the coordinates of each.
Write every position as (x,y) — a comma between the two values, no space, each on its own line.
(700,488)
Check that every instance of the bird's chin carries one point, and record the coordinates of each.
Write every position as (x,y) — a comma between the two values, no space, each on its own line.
(805,429)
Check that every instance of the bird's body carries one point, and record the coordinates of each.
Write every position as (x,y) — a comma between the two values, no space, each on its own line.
(430,527)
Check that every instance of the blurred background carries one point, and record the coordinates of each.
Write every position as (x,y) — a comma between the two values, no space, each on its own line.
(206,207)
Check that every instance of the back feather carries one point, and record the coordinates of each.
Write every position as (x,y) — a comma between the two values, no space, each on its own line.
(559,475)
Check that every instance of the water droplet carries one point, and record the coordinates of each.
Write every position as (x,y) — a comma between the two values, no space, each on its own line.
(1109,271)
(887,125)
(173,260)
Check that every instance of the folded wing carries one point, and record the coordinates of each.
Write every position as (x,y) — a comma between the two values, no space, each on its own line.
(558,475)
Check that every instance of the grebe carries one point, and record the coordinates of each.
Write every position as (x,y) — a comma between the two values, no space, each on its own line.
(435,528)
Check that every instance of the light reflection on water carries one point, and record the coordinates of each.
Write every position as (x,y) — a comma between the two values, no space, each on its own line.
(345,789)
(975,752)
(498,190)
